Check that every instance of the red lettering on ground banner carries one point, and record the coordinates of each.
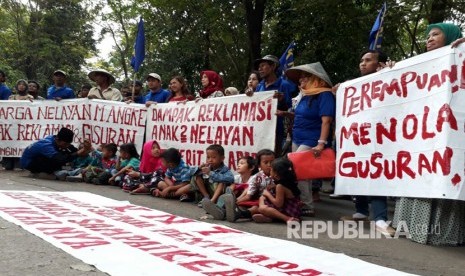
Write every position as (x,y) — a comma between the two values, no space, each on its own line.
(84,244)
(168,219)
(218,230)
(131,208)
(282,265)
(305,272)
(171,256)
(138,244)
(199,265)
(234,272)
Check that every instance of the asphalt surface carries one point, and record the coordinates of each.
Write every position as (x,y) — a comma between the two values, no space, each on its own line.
(25,254)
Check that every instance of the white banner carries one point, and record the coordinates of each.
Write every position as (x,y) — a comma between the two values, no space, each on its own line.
(24,122)
(400,132)
(242,125)
(124,239)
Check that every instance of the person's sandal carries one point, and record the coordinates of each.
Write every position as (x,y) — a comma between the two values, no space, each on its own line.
(184,198)
(307,213)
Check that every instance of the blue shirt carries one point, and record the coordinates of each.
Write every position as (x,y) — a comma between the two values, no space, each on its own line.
(283,86)
(161,96)
(139,99)
(182,173)
(5,92)
(307,120)
(62,92)
(221,175)
(45,147)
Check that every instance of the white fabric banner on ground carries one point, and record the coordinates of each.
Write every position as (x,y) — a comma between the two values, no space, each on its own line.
(400,131)
(242,125)
(24,122)
(124,239)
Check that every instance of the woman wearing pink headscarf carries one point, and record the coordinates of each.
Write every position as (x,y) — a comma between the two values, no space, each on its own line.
(151,171)
(212,84)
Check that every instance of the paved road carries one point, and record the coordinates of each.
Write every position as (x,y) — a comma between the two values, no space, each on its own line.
(24,254)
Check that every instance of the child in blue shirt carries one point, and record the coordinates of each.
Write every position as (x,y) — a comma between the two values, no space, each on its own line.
(128,161)
(178,176)
(215,174)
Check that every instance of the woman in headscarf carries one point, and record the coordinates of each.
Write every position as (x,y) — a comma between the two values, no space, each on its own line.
(151,170)
(212,84)
(434,221)
(21,92)
(314,111)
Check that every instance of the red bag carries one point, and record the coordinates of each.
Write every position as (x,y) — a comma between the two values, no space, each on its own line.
(307,166)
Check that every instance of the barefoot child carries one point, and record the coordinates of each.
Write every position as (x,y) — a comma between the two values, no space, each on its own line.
(282,202)
(178,176)
(128,161)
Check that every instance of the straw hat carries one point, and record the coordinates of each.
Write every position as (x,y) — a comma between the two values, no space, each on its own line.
(92,74)
(316,69)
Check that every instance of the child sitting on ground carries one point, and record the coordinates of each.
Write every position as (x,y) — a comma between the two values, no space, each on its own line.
(261,182)
(178,176)
(77,165)
(246,170)
(215,174)
(150,173)
(282,202)
(99,170)
(128,161)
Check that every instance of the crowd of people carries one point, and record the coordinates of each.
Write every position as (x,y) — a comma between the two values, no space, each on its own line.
(262,189)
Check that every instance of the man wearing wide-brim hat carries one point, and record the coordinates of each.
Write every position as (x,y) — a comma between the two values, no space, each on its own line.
(103,79)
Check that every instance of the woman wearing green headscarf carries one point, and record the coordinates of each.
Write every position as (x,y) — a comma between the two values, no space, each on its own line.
(434,221)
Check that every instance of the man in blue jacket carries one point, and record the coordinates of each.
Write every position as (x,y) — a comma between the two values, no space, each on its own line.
(52,152)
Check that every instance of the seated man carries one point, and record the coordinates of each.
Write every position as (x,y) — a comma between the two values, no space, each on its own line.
(52,152)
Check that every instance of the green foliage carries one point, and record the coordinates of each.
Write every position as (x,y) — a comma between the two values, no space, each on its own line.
(187,36)
(44,36)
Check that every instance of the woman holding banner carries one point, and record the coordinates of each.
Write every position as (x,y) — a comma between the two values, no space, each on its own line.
(434,221)
(314,112)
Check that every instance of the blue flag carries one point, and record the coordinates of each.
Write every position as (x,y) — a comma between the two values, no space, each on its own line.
(139,47)
(376,31)
(287,59)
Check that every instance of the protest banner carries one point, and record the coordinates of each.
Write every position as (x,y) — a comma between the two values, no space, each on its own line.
(120,238)
(242,125)
(24,122)
(400,131)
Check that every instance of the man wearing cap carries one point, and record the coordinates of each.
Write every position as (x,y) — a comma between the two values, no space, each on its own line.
(104,91)
(268,68)
(59,90)
(52,152)
(5,92)
(156,93)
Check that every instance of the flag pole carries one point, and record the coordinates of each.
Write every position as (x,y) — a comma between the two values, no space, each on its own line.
(134,86)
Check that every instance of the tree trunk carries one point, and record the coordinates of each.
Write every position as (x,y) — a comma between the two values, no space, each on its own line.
(254,16)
